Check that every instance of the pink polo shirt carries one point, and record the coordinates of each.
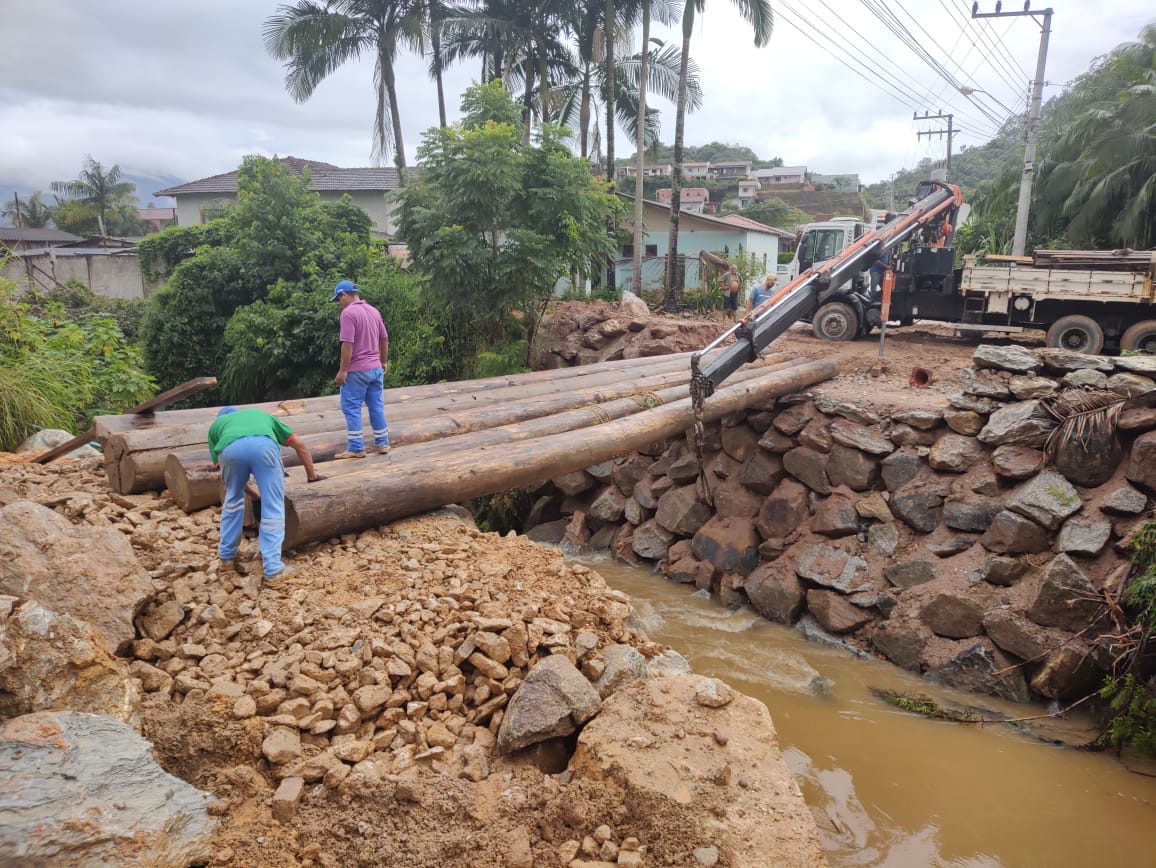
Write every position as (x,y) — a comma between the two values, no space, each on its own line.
(361,326)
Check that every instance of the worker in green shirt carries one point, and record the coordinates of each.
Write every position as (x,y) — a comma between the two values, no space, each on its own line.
(247,443)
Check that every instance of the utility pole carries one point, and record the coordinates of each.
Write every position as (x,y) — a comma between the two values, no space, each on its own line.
(1019,243)
(929,133)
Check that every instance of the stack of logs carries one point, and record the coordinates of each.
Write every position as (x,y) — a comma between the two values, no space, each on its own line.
(457,440)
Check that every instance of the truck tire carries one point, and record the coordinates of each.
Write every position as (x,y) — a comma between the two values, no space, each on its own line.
(1078,333)
(1140,337)
(835,321)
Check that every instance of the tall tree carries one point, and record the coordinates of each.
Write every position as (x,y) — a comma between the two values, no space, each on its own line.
(1098,180)
(665,12)
(28,213)
(314,39)
(758,14)
(99,188)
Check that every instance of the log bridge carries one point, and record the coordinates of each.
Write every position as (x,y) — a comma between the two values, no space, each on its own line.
(451,441)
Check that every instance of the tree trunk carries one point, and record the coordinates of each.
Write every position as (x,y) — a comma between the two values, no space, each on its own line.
(584,113)
(395,119)
(436,44)
(674,274)
(612,263)
(528,102)
(139,456)
(369,498)
(640,152)
(108,426)
(192,488)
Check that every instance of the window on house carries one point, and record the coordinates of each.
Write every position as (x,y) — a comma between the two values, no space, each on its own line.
(627,250)
(651,250)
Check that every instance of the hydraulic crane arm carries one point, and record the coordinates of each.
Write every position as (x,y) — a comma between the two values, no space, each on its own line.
(935,203)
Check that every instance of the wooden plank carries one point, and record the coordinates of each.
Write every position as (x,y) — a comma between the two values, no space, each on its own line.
(64,448)
(176,393)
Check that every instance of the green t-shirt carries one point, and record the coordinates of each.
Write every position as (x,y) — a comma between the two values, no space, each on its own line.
(245,423)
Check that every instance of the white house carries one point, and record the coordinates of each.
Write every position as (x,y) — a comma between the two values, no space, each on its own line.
(781,175)
(732,235)
(371,189)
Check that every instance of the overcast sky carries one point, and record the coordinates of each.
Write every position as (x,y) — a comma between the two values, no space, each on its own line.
(182,89)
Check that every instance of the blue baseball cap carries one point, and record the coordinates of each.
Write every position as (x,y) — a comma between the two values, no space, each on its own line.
(224,411)
(342,288)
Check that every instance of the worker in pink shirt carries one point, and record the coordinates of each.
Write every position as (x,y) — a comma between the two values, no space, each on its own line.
(364,355)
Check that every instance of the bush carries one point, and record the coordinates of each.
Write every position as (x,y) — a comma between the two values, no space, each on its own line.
(57,372)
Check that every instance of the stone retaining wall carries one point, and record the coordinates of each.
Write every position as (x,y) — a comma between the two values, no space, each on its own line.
(939,539)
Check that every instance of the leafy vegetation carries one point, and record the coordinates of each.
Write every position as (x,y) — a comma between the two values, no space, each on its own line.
(494,223)
(98,202)
(1131,690)
(60,368)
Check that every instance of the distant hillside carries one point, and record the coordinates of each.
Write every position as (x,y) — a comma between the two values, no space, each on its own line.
(822,204)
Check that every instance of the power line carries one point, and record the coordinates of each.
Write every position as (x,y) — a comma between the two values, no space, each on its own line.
(900,30)
(884,79)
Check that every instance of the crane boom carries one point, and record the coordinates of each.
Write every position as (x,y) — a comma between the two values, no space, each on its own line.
(935,203)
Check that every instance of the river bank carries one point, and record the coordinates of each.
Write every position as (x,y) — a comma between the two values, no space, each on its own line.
(368,713)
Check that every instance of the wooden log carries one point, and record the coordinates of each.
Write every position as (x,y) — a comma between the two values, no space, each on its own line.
(175,436)
(194,487)
(354,502)
(107,426)
(144,469)
(148,408)
(192,490)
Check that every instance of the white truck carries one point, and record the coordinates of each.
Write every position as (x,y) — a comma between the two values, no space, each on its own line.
(1087,301)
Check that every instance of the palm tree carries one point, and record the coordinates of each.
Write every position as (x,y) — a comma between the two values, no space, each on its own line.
(314,39)
(758,14)
(97,187)
(665,12)
(1097,182)
(30,213)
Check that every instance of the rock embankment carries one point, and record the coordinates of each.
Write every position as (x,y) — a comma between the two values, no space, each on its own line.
(414,692)
(945,538)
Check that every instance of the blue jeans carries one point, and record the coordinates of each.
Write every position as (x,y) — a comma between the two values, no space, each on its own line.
(260,457)
(364,387)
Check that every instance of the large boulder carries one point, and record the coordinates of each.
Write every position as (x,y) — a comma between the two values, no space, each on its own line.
(783,511)
(633,308)
(1062,361)
(1017,462)
(901,643)
(966,423)
(624,663)
(681,512)
(1086,538)
(1025,388)
(955,453)
(553,701)
(809,466)
(971,516)
(1142,462)
(1017,634)
(832,568)
(732,499)
(1012,358)
(1068,672)
(652,540)
(1066,599)
(920,505)
(850,467)
(50,661)
(953,617)
(836,517)
(82,789)
(1124,500)
(835,613)
(676,724)
(87,572)
(775,591)
(762,472)
(49,438)
(609,506)
(740,442)
(1012,534)
(1017,425)
(730,544)
(866,439)
(899,468)
(1048,500)
(982,668)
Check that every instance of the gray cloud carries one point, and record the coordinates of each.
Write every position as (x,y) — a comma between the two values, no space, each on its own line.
(186,89)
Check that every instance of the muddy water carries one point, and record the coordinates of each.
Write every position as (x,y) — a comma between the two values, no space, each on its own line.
(898,789)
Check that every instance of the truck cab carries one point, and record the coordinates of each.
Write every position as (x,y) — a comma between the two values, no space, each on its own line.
(822,241)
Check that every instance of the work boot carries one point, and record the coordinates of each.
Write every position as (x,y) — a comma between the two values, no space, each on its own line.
(225,567)
(341,456)
(275,580)
(381,450)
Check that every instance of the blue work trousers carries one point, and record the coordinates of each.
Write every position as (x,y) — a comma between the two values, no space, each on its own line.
(364,387)
(260,457)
